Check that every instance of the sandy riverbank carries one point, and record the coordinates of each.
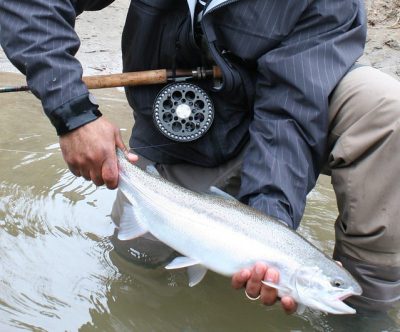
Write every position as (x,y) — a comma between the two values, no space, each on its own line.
(100,33)
(383,43)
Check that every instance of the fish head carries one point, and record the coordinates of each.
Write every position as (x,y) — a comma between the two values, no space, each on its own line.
(326,290)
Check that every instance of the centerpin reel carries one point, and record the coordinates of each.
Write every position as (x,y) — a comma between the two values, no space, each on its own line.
(183,112)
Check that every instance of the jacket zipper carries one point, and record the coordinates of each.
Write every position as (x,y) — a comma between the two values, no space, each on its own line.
(217,7)
(211,11)
(220,154)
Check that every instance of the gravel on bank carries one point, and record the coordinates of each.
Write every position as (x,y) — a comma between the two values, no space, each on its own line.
(100,34)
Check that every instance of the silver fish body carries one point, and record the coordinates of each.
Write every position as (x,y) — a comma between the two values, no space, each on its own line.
(225,236)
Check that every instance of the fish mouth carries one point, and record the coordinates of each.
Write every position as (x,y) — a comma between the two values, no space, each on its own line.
(344,297)
(337,306)
(349,293)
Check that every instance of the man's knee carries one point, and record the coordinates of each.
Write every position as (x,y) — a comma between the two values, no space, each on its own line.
(380,284)
(375,240)
(370,251)
(365,96)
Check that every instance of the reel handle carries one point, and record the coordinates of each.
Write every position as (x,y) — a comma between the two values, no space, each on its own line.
(147,77)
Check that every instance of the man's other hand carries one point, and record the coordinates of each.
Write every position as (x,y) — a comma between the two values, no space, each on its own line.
(89,151)
(255,289)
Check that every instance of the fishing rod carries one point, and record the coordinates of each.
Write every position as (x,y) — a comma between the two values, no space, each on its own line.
(147,77)
(182,111)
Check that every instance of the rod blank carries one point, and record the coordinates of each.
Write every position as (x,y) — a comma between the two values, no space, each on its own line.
(147,77)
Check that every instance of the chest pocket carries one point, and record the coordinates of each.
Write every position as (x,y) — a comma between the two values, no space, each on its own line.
(157,35)
(251,28)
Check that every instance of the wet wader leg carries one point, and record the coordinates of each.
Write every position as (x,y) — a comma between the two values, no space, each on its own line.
(364,162)
(147,250)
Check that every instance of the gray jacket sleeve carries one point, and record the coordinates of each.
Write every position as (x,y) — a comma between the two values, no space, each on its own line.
(295,79)
(39,39)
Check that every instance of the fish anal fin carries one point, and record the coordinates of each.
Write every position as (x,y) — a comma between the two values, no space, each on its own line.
(196,274)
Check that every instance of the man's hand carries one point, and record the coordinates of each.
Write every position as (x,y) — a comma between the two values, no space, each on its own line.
(89,151)
(251,281)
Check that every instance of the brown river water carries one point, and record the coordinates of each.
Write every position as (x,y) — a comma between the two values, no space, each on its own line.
(59,271)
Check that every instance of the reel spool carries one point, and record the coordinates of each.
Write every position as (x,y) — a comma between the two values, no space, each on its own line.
(183,112)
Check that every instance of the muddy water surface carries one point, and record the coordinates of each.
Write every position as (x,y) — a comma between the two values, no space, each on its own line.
(59,271)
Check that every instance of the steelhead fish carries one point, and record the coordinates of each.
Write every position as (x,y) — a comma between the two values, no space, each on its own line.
(221,234)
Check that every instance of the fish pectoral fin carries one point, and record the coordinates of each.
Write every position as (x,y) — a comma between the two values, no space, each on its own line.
(282,290)
(181,262)
(218,192)
(285,291)
(300,308)
(130,226)
(196,274)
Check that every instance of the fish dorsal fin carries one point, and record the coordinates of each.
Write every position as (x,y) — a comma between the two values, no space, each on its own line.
(218,192)
(196,274)
(130,226)
(151,169)
(282,290)
(181,262)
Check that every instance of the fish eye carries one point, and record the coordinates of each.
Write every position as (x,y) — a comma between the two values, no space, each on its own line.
(337,283)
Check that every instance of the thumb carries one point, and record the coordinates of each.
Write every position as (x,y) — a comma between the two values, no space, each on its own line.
(120,144)
(109,171)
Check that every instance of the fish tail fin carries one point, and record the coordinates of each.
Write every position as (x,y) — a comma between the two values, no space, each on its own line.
(130,224)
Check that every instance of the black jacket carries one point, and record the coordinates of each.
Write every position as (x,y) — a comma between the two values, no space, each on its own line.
(280,59)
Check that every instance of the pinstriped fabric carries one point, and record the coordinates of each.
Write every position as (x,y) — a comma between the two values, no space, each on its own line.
(302,51)
(299,49)
(39,39)
(288,136)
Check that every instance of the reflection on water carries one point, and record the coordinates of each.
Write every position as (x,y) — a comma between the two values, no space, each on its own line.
(58,268)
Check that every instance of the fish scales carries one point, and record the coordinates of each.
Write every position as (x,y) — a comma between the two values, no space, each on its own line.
(214,211)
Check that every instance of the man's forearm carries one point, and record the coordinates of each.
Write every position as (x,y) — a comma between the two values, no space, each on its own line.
(38,37)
